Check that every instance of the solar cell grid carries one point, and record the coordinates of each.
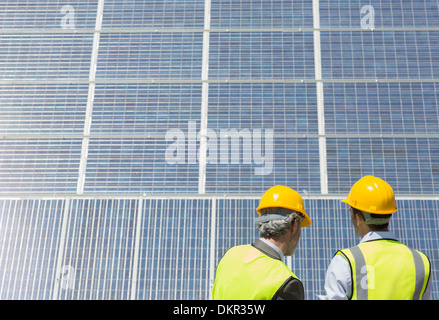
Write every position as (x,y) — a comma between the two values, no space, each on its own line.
(259,14)
(380,55)
(137,166)
(384,108)
(295,162)
(29,235)
(175,56)
(98,251)
(409,165)
(42,109)
(53,14)
(261,55)
(153,14)
(285,108)
(174,249)
(387,13)
(39,166)
(45,56)
(142,109)
(93,257)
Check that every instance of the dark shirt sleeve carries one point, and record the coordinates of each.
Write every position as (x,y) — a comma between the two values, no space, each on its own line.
(292,289)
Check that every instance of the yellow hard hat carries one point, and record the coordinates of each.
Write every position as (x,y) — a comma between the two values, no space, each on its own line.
(284,197)
(372,194)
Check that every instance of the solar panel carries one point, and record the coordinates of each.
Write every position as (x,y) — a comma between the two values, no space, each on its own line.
(137,137)
(162,248)
(30,231)
(45,56)
(229,14)
(153,14)
(409,165)
(47,14)
(153,56)
(285,108)
(380,55)
(383,108)
(42,109)
(387,14)
(133,166)
(294,162)
(264,55)
(145,108)
(96,255)
(39,166)
(174,251)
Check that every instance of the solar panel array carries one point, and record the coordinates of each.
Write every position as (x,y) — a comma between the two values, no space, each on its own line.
(136,137)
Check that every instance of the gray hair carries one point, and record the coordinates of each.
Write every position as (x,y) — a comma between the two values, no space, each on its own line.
(268,228)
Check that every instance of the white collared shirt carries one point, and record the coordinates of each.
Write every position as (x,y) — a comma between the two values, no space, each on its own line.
(282,257)
(338,276)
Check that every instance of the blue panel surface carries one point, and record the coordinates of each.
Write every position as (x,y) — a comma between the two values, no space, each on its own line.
(91,249)
(387,13)
(244,14)
(261,55)
(97,257)
(380,55)
(175,56)
(409,165)
(45,56)
(39,166)
(285,108)
(138,165)
(253,168)
(384,108)
(30,231)
(42,109)
(153,14)
(141,109)
(174,250)
(48,14)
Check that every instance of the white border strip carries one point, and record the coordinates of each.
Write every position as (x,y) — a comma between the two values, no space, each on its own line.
(65,218)
(212,266)
(90,98)
(320,98)
(198,30)
(204,100)
(137,249)
(329,196)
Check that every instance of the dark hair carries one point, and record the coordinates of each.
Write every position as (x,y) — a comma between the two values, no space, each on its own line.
(374,227)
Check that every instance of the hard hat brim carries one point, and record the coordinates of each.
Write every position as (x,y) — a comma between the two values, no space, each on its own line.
(306,220)
(368,209)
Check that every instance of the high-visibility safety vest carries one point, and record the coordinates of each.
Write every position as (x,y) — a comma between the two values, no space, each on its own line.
(245,273)
(387,270)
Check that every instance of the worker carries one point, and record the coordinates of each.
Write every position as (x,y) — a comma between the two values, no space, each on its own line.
(257,271)
(380,267)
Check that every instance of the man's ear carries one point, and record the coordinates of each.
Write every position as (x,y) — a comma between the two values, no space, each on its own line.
(295,225)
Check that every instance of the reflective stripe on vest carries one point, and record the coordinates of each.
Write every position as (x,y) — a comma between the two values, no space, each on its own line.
(387,269)
(245,273)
